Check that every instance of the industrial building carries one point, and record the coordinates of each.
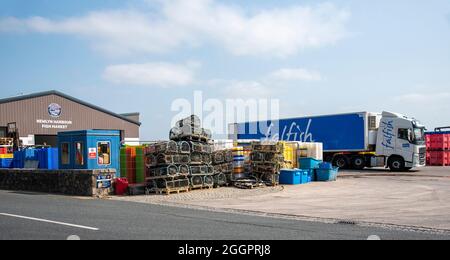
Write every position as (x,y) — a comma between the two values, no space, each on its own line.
(37,118)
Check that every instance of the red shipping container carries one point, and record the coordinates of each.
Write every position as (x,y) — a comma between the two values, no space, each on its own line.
(439,142)
(440,158)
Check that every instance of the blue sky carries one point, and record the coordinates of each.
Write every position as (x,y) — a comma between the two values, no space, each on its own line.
(317,57)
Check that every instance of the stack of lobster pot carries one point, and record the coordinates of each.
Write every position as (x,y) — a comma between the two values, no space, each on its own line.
(223,167)
(168,166)
(267,159)
(190,133)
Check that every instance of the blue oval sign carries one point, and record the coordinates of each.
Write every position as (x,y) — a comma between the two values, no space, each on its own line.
(54,110)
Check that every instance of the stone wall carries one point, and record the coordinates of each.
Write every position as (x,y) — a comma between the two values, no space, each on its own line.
(70,182)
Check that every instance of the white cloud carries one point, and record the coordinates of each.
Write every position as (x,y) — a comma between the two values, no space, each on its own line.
(296,75)
(150,74)
(273,32)
(423,98)
(247,89)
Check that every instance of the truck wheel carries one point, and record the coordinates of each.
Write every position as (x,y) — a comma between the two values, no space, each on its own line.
(341,161)
(358,163)
(397,164)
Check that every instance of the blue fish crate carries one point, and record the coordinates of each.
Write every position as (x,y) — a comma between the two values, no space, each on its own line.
(326,166)
(48,158)
(6,163)
(308,163)
(312,175)
(325,175)
(294,177)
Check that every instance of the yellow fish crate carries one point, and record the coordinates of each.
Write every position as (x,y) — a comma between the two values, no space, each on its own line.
(6,156)
(290,154)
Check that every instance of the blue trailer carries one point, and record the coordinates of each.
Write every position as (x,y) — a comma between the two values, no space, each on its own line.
(89,149)
(333,131)
(355,140)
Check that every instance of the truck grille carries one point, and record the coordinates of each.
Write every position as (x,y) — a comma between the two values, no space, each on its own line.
(423,156)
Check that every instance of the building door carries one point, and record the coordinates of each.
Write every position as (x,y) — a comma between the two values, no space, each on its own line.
(49,140)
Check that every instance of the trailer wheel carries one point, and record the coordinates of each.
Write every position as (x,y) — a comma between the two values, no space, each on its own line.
(396,164)
(358,163)
(341,161)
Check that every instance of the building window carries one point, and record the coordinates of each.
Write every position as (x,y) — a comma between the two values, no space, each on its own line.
(79,153)
(104,153)
(3,131)
(65,153)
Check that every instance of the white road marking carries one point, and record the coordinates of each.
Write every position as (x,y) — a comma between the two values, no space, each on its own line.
(374,238)
(49,221)
(73,238)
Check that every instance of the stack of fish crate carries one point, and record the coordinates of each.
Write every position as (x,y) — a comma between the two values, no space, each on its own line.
(6,153)
(267,160)
(438,149)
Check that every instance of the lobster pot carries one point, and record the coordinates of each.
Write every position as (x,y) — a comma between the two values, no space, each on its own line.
(210,169)
(218,157)
(183,159)
(228,156)
(188,130)
(206,133)
(184,169)
(257,157)
(170,147)
(206,148)
(184,147)
(150,149)
(197,181)
(220,180)
(175,133)
(199,170)
(163,159)
(208,180)
(183,182)
(170,170)
(196,147)
(151,160)
(196,158)
(206,158)
(189,121)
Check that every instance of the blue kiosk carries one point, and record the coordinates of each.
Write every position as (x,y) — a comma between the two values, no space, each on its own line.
(89,149)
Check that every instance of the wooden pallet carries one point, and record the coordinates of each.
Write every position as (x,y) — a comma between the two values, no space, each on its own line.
(198,187)
(168,191)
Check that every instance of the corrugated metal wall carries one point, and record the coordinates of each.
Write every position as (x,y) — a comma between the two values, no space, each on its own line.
(26,113)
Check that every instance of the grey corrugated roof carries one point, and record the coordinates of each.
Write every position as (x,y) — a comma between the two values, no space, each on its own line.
(57,93)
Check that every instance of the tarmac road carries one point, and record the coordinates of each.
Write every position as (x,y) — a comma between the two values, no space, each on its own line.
(33,216)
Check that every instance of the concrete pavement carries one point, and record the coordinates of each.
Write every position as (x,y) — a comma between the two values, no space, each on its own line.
(129,220)
(417,199)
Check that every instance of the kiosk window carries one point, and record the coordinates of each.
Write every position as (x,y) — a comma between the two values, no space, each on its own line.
(104,153)
(65,154)
(79,153)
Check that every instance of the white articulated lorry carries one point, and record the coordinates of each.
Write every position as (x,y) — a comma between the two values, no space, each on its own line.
(354,140)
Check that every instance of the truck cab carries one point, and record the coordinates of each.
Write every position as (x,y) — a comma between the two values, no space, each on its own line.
(401,141)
